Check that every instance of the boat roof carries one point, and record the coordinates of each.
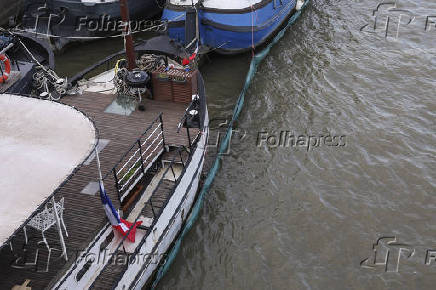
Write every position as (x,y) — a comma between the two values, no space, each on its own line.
(96,1)
(41,143)
(220,4)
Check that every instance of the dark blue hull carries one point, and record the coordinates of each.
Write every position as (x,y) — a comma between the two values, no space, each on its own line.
(232,31)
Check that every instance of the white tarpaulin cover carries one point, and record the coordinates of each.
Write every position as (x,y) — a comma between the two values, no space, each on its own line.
(41,143)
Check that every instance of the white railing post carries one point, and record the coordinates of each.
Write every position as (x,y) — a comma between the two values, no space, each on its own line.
(58,225)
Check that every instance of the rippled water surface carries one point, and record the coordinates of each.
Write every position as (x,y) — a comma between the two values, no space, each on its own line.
(289,218)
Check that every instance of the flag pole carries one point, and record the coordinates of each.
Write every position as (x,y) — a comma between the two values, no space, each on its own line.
(112,214)
(98,164)
(101,184)
(128,39)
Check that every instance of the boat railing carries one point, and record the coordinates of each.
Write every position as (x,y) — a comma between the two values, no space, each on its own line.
(151,203)
(99,67)
(104,65)
(139,159)
(169,171)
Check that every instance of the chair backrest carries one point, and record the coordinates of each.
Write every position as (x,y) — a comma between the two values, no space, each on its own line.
(46,218)
(60,206)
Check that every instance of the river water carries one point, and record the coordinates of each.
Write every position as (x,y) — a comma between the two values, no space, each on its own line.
(357,208)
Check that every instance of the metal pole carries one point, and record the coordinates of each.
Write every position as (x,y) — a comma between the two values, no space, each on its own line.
(162,128)
(152,209)
(140,155)
(117,187)
(181,158)
(128,40)
(172,170)
(189,137)
(58,225)
(197,25)
(97,157)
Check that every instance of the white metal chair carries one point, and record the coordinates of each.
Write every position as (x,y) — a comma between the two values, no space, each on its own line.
(45,220)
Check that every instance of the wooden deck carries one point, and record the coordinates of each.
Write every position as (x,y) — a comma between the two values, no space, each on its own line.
(84,215)
(112,273)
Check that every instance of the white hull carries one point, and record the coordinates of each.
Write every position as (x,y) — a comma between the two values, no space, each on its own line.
(171,221)
(157,243)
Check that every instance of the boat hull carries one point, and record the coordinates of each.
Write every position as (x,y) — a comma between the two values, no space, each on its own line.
(152,252)
(171,222)
(232,31)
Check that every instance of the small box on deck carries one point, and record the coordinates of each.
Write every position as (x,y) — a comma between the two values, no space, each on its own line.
(175,85)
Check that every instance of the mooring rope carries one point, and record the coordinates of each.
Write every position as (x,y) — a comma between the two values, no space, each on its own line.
(223,148)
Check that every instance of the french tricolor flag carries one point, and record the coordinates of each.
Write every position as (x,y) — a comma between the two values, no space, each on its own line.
(117,223)
(187,61)
(194,55)
(112,214)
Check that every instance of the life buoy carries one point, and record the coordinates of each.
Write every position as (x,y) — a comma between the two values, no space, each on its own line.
(7,70)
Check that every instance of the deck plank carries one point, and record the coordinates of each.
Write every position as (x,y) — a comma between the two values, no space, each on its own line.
(83,214)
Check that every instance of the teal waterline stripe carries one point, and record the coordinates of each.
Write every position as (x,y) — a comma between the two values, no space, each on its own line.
(257,59)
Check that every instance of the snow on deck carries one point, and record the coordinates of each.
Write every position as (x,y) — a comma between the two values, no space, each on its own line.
(41,143)
(220,4)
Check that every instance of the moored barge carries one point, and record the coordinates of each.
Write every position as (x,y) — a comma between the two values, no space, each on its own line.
(228,26)
(152,131)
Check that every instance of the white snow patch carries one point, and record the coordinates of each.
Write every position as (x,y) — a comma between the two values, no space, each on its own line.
(41,143)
